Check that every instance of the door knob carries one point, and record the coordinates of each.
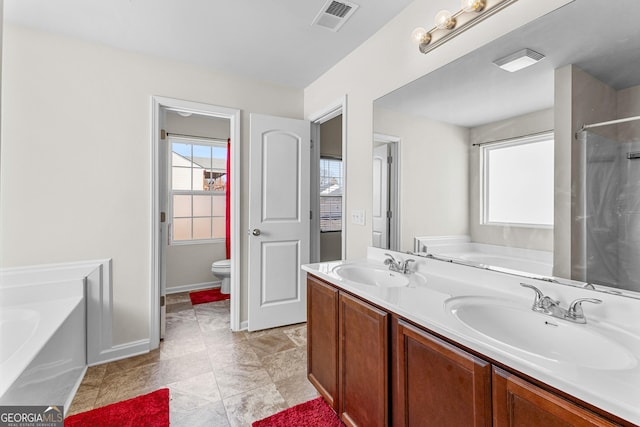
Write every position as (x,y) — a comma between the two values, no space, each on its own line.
(256,232)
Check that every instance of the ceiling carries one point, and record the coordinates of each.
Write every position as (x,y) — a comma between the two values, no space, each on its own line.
(602,38)
(268,40)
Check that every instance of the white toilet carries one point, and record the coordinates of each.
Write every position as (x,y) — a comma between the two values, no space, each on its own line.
(222,270)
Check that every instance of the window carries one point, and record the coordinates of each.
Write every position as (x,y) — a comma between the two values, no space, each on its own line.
(198,190)
(518,182)
(330,195)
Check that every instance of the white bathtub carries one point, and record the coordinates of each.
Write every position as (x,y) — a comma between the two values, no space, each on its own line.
(508,258)
(42,342)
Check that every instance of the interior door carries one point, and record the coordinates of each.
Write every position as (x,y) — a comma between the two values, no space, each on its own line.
(278,220)
(380,220)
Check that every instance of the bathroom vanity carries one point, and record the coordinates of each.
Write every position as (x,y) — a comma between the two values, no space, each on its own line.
(455,345)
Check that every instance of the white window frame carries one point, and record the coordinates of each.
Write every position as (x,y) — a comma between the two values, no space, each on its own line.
(198,141)
(335,159)
(484,170)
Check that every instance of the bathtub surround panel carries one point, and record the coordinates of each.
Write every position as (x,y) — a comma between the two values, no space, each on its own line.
(97,275)
(462,248)
(43,341)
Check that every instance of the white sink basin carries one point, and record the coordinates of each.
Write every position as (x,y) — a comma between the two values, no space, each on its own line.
(377,276)
(544,336)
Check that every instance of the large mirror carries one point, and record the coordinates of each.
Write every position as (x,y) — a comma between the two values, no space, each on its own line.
(535,170)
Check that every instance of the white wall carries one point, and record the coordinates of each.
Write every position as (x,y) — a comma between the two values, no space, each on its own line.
(1,43)
(434,175)
(520,237)
(383,63)
(76,156)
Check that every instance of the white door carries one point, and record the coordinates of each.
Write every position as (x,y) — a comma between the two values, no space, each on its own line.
(278,220)
(380,220)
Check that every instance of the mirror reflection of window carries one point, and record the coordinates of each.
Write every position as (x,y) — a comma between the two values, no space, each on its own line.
(330,195)
(518,182)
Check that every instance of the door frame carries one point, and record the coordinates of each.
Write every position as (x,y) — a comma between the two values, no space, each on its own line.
(158,103)
(394,188)
(334,109)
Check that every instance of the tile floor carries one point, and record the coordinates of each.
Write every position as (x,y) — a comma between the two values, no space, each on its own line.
(216,377)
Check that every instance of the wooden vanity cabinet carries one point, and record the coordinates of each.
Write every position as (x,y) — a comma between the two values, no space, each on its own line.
(431,382)
(517,402)
(322,339)
(438,384)
(348,354)
(364,363)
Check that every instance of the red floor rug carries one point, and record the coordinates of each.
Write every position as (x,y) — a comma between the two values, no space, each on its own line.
(148,410)
(208,295)
(314,413)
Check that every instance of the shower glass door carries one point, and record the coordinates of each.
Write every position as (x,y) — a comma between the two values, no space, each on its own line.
(610,205)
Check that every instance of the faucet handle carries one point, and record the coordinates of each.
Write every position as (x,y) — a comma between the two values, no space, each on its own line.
(575,308)
(390,260)
(539,294)
(405,265)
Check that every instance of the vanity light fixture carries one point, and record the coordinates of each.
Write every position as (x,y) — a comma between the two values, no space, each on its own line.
(448,25)
(519,60)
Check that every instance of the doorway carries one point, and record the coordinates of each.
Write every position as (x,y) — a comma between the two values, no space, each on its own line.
(328,181)
(386,192)
(162,111)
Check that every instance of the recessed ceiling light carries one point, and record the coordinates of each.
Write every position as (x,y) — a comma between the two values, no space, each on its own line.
(519,60)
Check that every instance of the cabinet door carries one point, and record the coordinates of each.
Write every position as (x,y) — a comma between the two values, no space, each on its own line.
(364,364)
(438,384)
(322,339)
(517,402)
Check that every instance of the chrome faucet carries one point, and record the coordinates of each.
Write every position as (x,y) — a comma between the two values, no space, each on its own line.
(546,305)
(575,313)
(398,266)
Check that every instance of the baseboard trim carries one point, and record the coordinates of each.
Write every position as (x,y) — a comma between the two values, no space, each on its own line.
(193,287)
(122,351)
(244,325)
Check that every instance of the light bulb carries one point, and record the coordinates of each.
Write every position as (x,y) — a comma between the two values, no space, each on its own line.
(444,20)
(473,5)
(418,34)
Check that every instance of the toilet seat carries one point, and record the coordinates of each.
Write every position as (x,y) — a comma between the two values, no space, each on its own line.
(222,265)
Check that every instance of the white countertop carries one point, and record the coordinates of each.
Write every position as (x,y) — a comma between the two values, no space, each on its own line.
(616,391)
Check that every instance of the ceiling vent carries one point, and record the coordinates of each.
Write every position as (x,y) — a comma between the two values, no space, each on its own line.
(334,14)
